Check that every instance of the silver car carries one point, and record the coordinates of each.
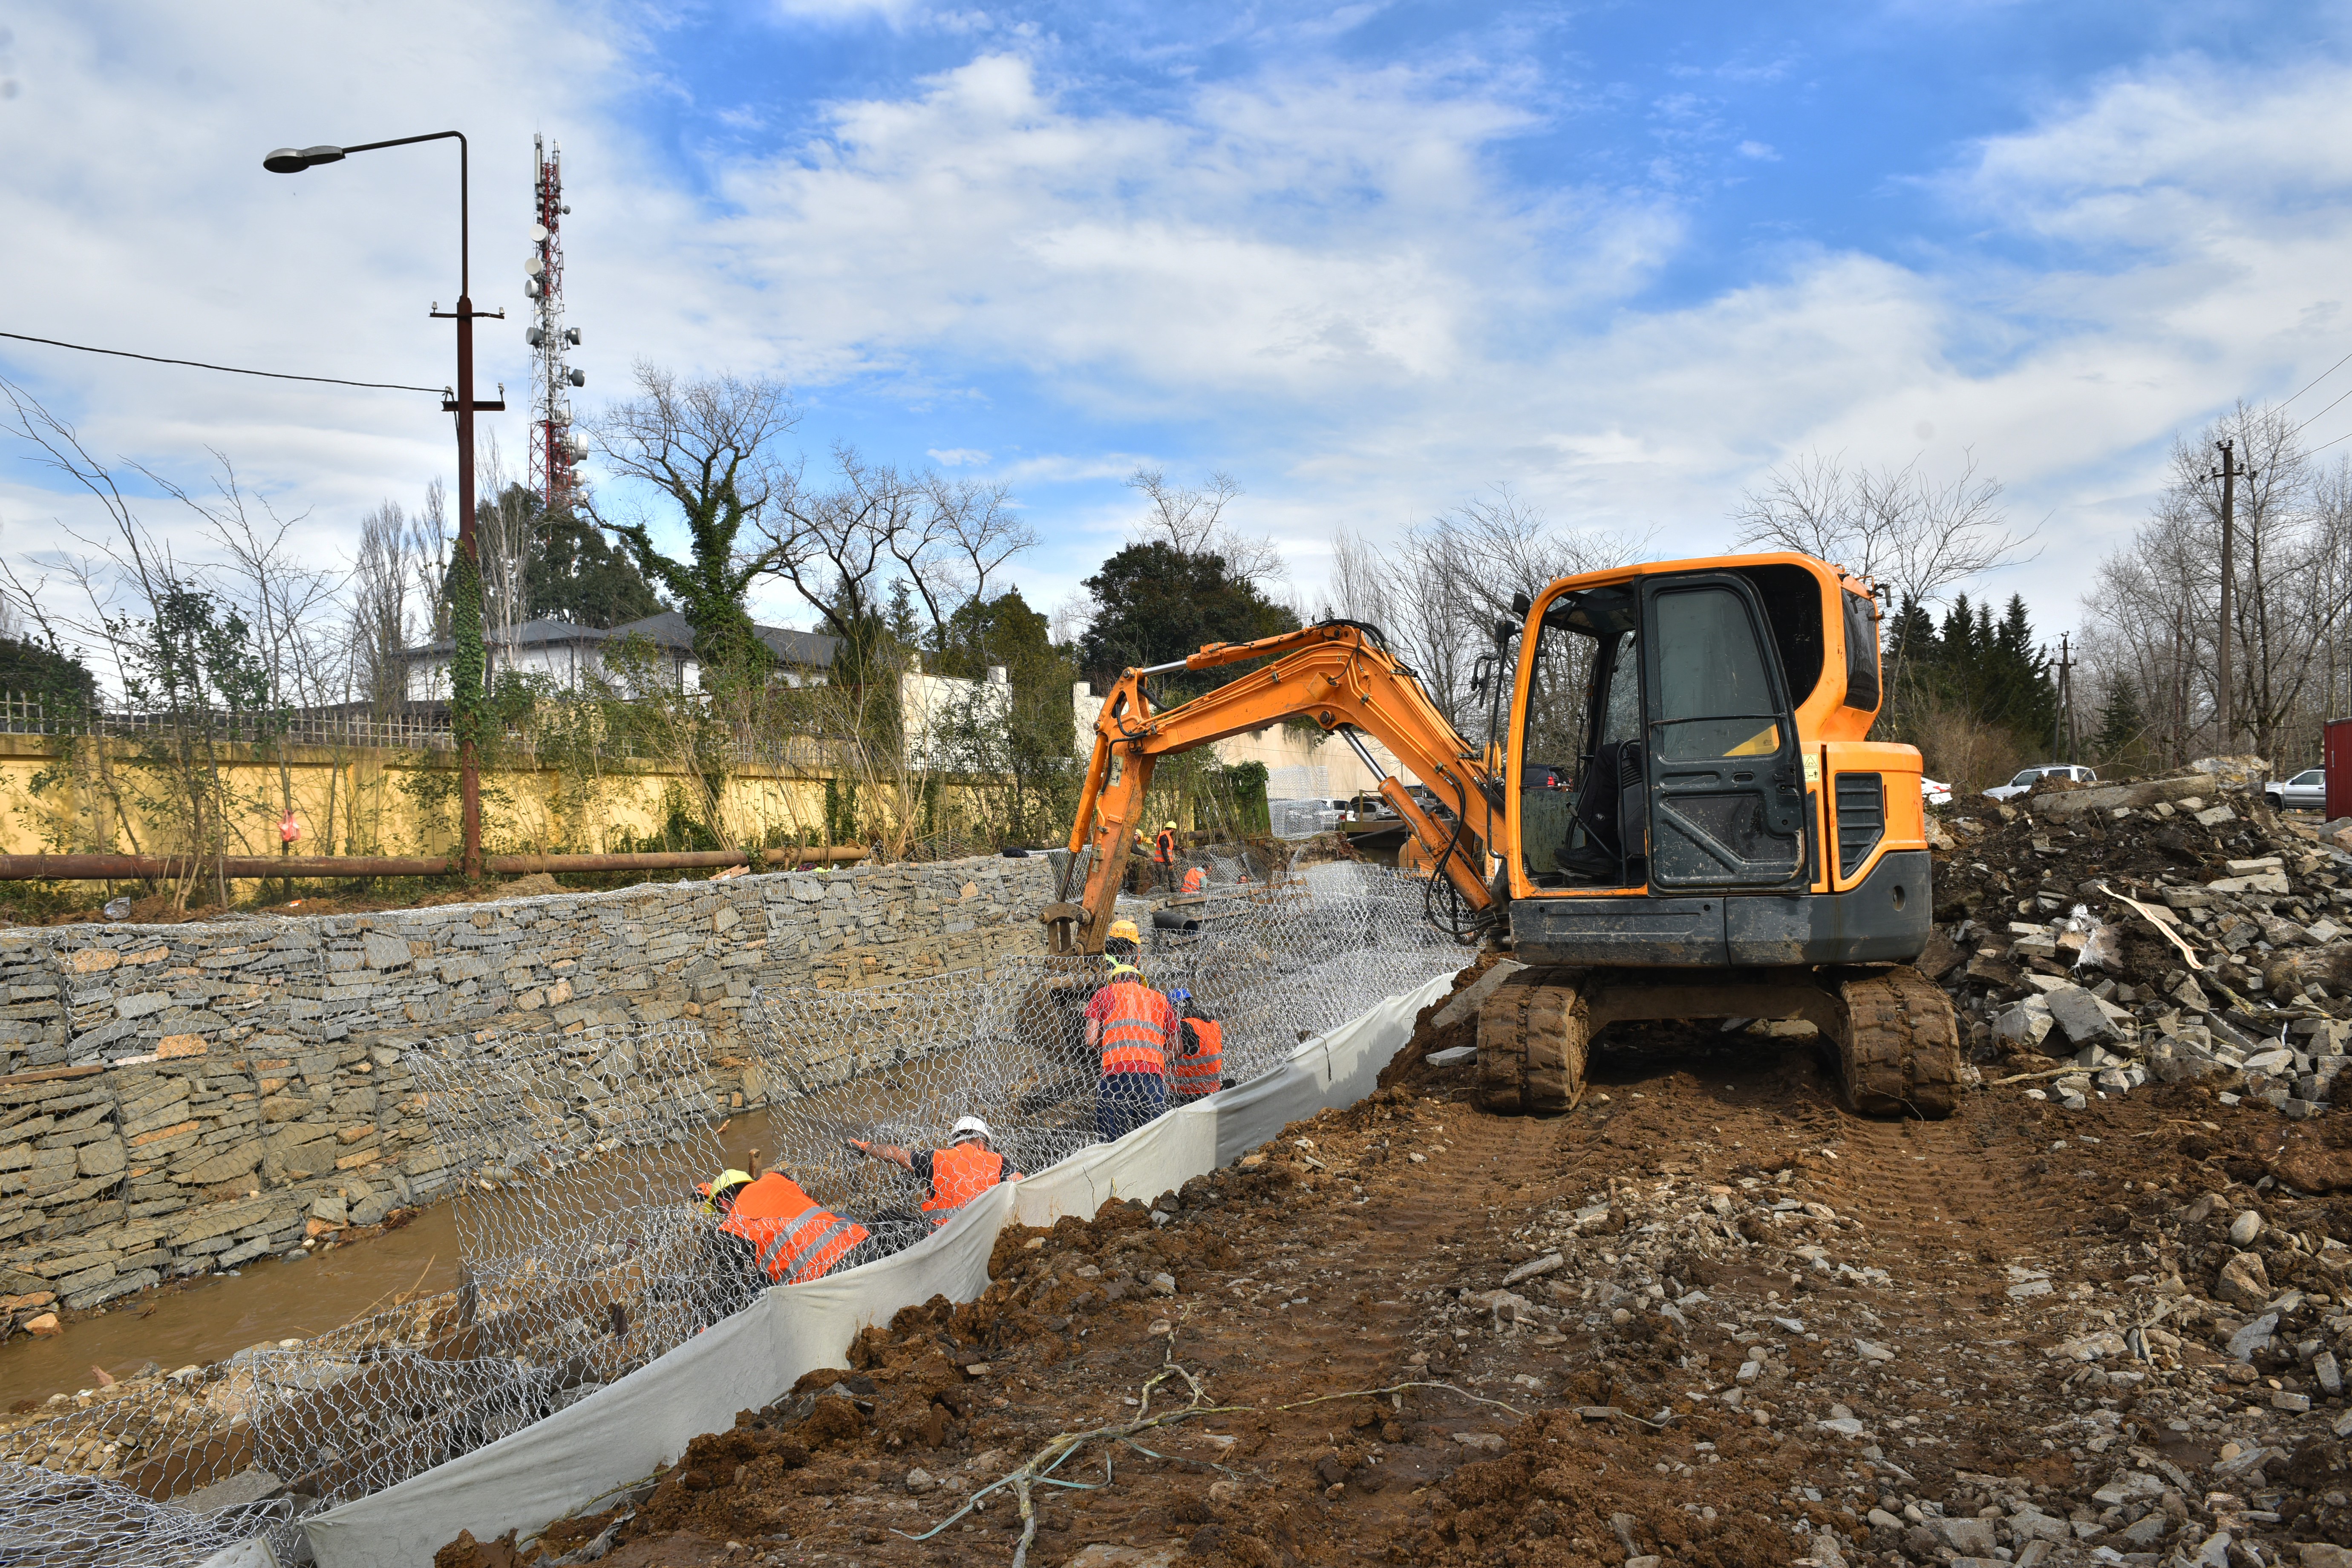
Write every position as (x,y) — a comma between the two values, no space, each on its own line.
(2307,791)
(2035,774)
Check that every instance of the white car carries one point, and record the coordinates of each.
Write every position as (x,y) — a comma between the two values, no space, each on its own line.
(2035,774)
(2307,791)
(1934,793)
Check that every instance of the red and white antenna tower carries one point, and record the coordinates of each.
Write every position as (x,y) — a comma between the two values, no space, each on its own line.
(556,448)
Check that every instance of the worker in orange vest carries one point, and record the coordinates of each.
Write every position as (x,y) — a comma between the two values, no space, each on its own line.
(1164,854)
(1195,880)
(1132,1024)
(954,1176)
(1197,1069)
(775,1233)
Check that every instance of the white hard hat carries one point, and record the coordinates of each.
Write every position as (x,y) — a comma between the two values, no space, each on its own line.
(968,1127)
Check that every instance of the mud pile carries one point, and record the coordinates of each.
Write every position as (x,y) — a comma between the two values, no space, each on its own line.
(2170,930)
(1706,1319)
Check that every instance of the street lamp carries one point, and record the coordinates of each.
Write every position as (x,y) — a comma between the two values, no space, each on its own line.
(465,666)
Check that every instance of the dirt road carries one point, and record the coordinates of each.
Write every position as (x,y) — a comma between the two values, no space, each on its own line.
(1706,1319)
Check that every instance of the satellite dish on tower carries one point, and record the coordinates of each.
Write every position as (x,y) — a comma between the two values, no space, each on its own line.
(539,233)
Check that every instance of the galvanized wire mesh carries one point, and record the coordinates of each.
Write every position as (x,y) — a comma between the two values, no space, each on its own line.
(1275,963)
(587,1252)
(49,1517)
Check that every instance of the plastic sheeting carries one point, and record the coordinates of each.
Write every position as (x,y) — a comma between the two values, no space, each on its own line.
(621,1434)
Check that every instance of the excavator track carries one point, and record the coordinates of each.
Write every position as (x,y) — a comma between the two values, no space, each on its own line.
(1899,1050)
(1532,1035)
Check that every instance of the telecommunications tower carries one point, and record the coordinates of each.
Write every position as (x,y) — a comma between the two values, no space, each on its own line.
(556,448)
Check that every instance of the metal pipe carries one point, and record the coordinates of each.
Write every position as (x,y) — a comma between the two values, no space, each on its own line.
(144,867)
(1347,733)
(1164,669)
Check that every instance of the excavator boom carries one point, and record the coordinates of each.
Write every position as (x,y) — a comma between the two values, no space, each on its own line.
(1336,674)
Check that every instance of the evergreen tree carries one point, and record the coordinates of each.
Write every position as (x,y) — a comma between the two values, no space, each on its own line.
(2121,724)
(574,574)
(1156,604)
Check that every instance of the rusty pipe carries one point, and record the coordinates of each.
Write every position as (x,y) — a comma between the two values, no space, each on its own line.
(140,868)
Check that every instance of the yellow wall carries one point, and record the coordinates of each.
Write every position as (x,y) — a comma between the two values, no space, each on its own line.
(59,795)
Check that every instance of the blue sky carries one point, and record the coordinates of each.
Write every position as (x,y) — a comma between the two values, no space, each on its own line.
(1368,259)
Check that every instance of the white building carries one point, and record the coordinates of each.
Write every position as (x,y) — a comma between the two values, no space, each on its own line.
(568,655)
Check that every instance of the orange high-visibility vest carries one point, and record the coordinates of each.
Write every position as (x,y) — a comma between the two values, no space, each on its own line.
(1132,1038)
(1166,853)
(1201,1073)
(1195,880)
(797,1241)
(959,1175)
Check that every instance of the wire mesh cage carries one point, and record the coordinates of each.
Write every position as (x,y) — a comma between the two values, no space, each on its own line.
(575,1158)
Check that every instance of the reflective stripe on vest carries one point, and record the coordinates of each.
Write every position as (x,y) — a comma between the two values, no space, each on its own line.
(1132,1040)
(1167,847)
(1195,880)
(1200,1074)
(959,1175)
(797,1239)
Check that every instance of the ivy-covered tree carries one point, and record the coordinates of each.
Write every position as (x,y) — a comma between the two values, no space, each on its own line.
(576,575)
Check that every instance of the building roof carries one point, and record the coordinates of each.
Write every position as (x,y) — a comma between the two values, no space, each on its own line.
(667,630)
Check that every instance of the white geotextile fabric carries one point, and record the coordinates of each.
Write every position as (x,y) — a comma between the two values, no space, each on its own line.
(619,1436)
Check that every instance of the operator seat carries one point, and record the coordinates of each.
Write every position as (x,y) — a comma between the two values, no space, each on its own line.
(1607,797)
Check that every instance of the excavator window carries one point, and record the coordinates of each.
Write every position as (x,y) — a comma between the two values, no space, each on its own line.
(1585,701)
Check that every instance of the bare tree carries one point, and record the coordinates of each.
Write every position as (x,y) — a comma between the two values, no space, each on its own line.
(2154,611)
(1192,519)
(710,446)
(1438,592)
(1895,526)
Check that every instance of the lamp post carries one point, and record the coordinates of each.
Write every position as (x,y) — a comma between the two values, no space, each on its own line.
(466,662)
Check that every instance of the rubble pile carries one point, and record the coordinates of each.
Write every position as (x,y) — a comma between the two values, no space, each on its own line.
(2173,930)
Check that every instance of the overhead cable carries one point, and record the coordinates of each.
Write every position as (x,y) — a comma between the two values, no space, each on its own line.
(2322,375)
(233,370)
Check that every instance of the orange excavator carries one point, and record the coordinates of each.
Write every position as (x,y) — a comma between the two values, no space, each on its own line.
(1727,844)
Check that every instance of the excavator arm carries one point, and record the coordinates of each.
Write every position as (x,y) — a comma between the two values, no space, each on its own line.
(1336,674)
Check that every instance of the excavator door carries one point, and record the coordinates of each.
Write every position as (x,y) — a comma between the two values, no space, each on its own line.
(1725,774)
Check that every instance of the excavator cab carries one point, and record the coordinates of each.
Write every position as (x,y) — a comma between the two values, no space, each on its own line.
(1730,844)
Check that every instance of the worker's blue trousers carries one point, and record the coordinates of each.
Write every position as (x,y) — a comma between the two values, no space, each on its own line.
(1126,1100)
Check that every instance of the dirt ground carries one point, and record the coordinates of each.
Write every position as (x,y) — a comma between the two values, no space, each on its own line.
(1708,1319)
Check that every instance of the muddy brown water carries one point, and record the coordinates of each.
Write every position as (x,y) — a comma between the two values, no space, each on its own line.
(269,1300)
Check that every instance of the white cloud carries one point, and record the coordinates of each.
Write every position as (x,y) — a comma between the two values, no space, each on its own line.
(1761,152)
(1320,277)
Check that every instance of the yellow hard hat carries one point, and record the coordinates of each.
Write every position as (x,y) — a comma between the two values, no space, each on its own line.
(724,1181)
(1172,825)
(1122,928)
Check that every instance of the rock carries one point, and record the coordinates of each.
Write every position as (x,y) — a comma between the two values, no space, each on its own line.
(44,1326)
(2243,1281)
(1967,1537)
(2296,1402)
(1882,1519)
(2330,1376)
(2145,1535)
(2126,1486)
(920,1480)
(1532,1268)
(2032,1554)
(1845,1426)
(2245,1227)
(2079,1015)
(1872,1351)
(1486,1442)
(2032,1525)
(2253,1336)
(2214,1552)
(1164,1284)
(2320,1554)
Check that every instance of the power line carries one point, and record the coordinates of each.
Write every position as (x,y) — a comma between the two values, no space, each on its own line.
(2325,444)
(233,370)
(2322,375)
(2317,417)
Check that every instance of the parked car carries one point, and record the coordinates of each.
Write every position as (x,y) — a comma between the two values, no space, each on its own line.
(2307,791)
(2036,774)
(1934,793)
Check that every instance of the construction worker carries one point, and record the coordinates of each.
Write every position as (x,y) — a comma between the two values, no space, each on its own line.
(776,1234)
(1131,1026)
(1163,855)
(1195,880)
(952,1176)
(1197,1069)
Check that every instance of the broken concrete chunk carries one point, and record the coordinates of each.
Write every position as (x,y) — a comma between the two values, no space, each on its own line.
(2078,1013)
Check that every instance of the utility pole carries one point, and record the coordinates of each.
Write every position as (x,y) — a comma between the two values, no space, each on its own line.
(2228,473)
(2062,728)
